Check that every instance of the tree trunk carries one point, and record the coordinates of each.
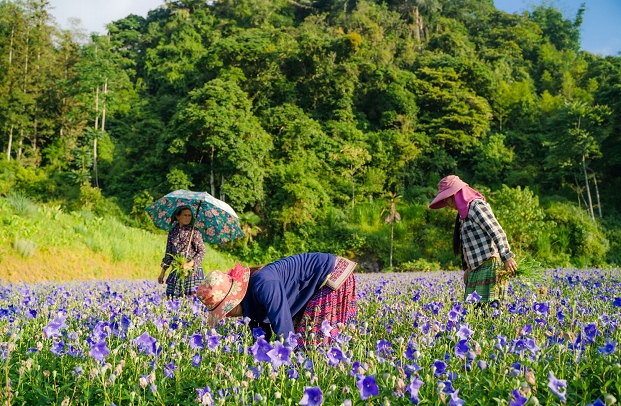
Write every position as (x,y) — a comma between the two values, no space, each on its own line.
(392,234)
(353,193)
(8,148)
(418,27)
(95,137)
(586,181)
(103,112)
(599,203)
(221,188)
(212,181)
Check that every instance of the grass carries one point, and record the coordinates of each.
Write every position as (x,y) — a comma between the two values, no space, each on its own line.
(42,243)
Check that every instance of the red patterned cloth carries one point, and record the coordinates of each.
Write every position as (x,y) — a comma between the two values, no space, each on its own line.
(335,306)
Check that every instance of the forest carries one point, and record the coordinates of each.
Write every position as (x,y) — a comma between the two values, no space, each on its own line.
(325,124)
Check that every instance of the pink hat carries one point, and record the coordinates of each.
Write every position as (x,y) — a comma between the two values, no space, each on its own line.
(447,187)
(221,292)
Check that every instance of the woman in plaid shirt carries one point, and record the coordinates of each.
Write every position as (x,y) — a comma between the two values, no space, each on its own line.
(478,238)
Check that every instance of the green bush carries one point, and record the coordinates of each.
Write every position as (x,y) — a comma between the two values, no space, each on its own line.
(584,238)
(520,216)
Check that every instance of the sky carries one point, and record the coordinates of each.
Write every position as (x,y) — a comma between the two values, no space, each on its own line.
(600,34)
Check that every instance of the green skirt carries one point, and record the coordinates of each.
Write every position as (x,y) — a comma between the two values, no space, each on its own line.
(486,282)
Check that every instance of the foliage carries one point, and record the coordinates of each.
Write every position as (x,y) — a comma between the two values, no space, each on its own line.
(296,110)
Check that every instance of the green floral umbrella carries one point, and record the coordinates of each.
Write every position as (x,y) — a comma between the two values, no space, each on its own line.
(215,219)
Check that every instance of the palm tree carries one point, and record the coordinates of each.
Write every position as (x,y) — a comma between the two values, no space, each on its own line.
(249,225)
(392,217)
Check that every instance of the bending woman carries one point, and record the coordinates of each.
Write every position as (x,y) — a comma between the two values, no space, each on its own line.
(294,294)
(183,239)
(478,238)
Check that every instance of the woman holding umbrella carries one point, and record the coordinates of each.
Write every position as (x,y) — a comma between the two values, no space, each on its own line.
(184,240)
(191,219)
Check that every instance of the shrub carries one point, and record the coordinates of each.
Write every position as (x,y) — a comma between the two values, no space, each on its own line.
(586,242)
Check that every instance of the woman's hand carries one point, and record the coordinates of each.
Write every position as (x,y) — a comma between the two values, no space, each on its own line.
(188,265)
(160,279)
(511,265)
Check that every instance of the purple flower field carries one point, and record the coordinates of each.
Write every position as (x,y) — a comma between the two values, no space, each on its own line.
(416,341)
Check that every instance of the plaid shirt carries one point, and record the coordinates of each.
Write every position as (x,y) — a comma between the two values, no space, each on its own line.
(481,236)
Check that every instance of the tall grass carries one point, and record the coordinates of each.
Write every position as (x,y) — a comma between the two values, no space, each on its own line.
(21,204)
(25,248)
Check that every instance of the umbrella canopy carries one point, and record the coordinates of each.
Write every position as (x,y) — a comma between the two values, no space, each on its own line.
(215,219)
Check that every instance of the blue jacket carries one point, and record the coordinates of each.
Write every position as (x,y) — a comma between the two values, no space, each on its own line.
(283,288)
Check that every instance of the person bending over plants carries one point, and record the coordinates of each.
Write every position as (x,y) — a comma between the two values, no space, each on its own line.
(478,237)
(184,255)
(296,294)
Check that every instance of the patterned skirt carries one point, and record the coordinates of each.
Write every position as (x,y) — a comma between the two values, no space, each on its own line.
(338,307)
(486,282)
(178,288)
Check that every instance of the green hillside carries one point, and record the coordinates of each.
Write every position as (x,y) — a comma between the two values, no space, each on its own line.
(42,243)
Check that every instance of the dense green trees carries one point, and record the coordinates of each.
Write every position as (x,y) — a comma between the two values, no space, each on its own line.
(302,114)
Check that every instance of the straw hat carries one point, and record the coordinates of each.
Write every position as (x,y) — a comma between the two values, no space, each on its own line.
(221,292)
(447,187)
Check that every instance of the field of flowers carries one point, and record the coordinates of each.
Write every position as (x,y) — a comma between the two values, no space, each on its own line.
(415,341)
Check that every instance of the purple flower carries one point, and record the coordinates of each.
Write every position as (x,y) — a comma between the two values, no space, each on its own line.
(312,396)
(474,297)
(335,355)
(455,400)
(260,349)
(527,329)
(440,368)
(326,328)
(196,360)
(205,397)
(279,355)
(383,347)
(169,370)
(292,340)
(58,348)
(410,352)
(257,333)
(555,386)
(99,351)
(367,386)
(54,327)
(146,344)
(608,349)
(482,364)
(196,341)
(464,332)
(77,371)
(518,399)
(413,388)
(597,402)
(293,373)
(617,302)
(532,345)
(213,339)
(461,348)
